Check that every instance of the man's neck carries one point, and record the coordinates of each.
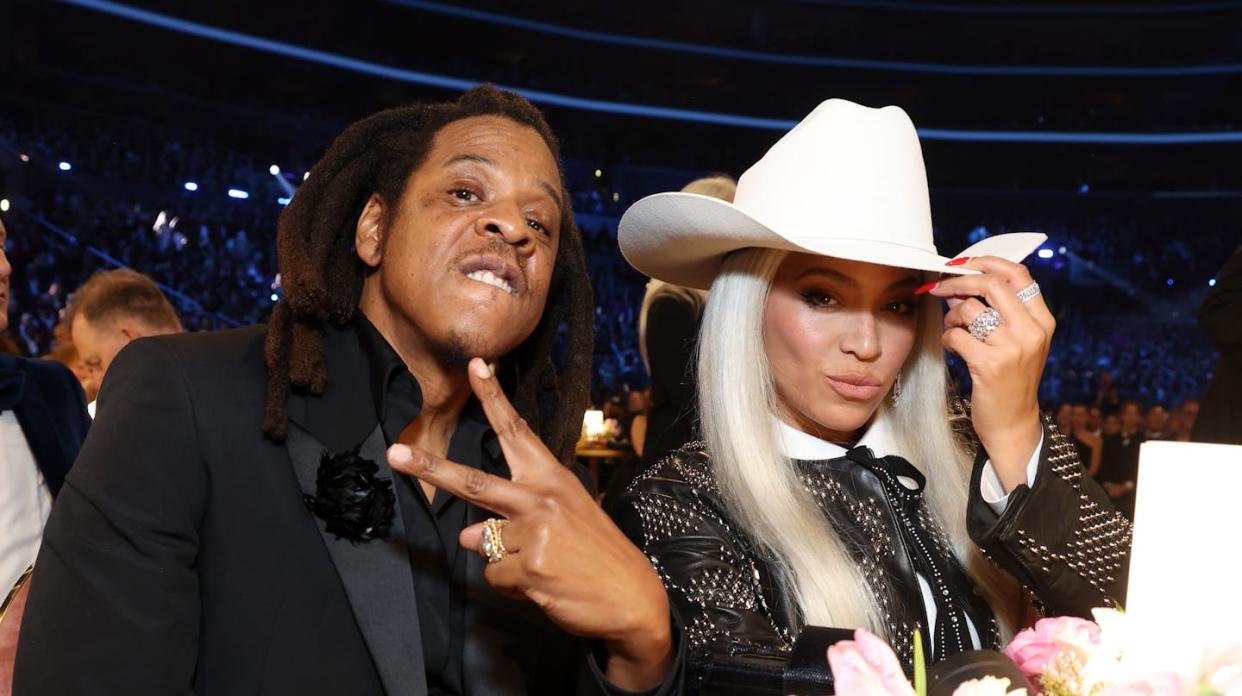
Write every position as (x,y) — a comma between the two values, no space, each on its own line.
(445,389)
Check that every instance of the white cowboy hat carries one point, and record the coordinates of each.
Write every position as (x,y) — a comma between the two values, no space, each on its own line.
(848,182)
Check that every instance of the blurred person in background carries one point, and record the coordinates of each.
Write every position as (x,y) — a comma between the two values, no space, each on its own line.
(668,328)
(113,308)
(1220,418)
(65,353)
(1118,471)
(43,422)
(1155,423)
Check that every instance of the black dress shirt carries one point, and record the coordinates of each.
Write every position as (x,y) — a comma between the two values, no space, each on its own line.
(431,526)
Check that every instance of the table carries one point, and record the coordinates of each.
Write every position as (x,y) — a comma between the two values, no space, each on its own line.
(594,456)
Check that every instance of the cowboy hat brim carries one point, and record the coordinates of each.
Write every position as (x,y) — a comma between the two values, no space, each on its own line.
(683,238)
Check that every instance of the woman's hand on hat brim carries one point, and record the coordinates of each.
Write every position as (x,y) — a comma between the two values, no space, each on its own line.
(1006,367)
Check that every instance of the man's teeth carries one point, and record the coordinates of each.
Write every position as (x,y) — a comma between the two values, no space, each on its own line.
(491,279)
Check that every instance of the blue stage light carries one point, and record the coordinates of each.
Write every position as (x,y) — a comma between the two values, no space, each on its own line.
(311,55)
(1169,282)
(190,186)
(1212,283)
(238,193)
(1045,253)
(64,166)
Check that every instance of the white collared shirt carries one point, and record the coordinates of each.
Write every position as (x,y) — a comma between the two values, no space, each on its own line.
(25,503)
(799,445)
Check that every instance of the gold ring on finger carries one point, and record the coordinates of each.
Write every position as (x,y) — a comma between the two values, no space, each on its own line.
(493,546)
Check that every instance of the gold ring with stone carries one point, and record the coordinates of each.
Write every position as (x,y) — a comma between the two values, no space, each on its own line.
(493,546)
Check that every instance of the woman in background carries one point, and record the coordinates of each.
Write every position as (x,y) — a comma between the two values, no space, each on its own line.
(668,328)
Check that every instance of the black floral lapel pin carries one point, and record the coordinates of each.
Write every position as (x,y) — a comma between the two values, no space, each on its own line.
(354,503)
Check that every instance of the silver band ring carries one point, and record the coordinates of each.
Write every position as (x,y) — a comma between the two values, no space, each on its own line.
(493,546)
(984,324)
(1029,292)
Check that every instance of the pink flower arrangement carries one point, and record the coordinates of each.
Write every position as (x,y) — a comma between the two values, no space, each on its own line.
(1034,649)
(866,666)
(1061,656)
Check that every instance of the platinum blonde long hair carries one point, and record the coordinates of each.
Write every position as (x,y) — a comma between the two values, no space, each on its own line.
(761,488)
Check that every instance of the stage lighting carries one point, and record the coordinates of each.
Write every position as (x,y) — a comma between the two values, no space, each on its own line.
(1169,282)
(599,173)
(275,297)
(64,166)
(283,201)
(616,197)
(238,193)
(1045,253)
(1084,189)
(1211,283)
(24,157)
(1061,250)
(190,186)
(273,170)
(4,207)
(305,176)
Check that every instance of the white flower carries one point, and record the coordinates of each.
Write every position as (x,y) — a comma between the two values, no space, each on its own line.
(987,686)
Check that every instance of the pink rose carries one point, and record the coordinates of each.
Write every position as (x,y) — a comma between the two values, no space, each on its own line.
(1034,648)
(987,686)
(866,666)
(1158,684)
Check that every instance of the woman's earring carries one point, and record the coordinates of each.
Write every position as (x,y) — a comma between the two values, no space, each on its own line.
(897,388)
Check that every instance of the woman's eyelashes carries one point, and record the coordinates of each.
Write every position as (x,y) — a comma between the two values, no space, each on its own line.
(821,299)
(817,299)
(905,307)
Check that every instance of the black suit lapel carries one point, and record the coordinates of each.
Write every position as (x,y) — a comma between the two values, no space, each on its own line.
(376,575)
(35,417)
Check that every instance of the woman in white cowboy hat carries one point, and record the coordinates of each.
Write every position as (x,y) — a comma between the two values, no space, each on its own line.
(839,483)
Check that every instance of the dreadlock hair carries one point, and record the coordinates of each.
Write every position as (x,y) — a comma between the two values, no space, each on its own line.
(323,276)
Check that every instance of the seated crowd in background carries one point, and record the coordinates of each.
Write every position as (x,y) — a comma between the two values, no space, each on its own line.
(124,203)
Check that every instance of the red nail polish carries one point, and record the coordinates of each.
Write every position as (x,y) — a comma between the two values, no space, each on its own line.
(926,287)
(958,261)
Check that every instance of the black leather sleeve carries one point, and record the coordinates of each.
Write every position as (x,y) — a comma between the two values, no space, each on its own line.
(1060,537)
(713,583)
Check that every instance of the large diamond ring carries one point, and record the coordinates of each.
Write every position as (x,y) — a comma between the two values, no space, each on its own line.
(493,547)
(985,323)
(1029,292)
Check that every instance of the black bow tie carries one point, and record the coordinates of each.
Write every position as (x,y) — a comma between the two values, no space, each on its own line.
(888,469)
(12,385)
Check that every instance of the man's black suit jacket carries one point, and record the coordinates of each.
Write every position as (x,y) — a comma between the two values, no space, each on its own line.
(181,557)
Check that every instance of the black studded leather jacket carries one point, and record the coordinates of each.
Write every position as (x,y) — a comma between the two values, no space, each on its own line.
(1059,538)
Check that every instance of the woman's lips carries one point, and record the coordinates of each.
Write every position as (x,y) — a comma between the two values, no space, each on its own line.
(855,388)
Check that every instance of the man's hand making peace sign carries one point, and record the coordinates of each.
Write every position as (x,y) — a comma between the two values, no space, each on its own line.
(561,550)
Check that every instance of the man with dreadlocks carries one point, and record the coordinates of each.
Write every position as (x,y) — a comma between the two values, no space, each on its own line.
(233,525)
